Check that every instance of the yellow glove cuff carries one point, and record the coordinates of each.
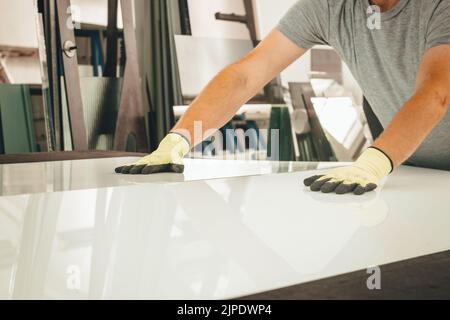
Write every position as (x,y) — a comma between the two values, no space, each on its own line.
(376,162)
(175,142)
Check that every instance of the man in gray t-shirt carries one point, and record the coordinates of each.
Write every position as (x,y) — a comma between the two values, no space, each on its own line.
(385,59)
(401,61)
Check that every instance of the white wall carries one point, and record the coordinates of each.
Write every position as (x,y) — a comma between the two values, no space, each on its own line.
(204,23)
(22,70)
(18,19)
(18,24)
(200,59)
(269,14)
(93,12)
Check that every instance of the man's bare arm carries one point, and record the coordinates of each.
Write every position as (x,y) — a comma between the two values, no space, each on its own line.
(237,84)
(424,111)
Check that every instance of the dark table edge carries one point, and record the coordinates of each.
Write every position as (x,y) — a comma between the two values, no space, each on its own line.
(422,278)
(64,156)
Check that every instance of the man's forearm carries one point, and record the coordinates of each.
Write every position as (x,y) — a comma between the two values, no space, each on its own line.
(217,104)
(413,124)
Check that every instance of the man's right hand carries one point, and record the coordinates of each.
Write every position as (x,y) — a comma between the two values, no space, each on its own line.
(167,158)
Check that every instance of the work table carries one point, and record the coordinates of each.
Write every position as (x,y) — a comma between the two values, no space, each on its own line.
(75,230)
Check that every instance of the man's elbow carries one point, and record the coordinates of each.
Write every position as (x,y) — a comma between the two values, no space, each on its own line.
(442,100)
(438,98)
(446,99)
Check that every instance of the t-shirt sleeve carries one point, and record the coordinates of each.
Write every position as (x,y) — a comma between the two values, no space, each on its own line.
(439,26)
(307,23)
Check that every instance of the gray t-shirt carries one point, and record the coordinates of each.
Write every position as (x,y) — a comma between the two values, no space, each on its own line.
(384,61)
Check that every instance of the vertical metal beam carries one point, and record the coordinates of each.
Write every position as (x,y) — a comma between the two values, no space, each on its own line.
(185,18)
(251,21)
(112,38)
(45,110)
(71,76)
(248,19)
(131,117)
(55,78)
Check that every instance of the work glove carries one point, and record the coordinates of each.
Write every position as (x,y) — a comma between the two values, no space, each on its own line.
(167,158)
(363,176)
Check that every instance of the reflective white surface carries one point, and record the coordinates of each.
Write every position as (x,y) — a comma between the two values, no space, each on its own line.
(212,239)
(47,177)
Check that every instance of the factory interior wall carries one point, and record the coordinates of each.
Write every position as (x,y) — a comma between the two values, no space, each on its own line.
(15,34)
(203,24)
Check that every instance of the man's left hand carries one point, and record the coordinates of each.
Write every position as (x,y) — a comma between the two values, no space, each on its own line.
(363,176)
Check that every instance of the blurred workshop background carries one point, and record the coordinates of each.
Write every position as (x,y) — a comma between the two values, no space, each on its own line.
(129,70)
